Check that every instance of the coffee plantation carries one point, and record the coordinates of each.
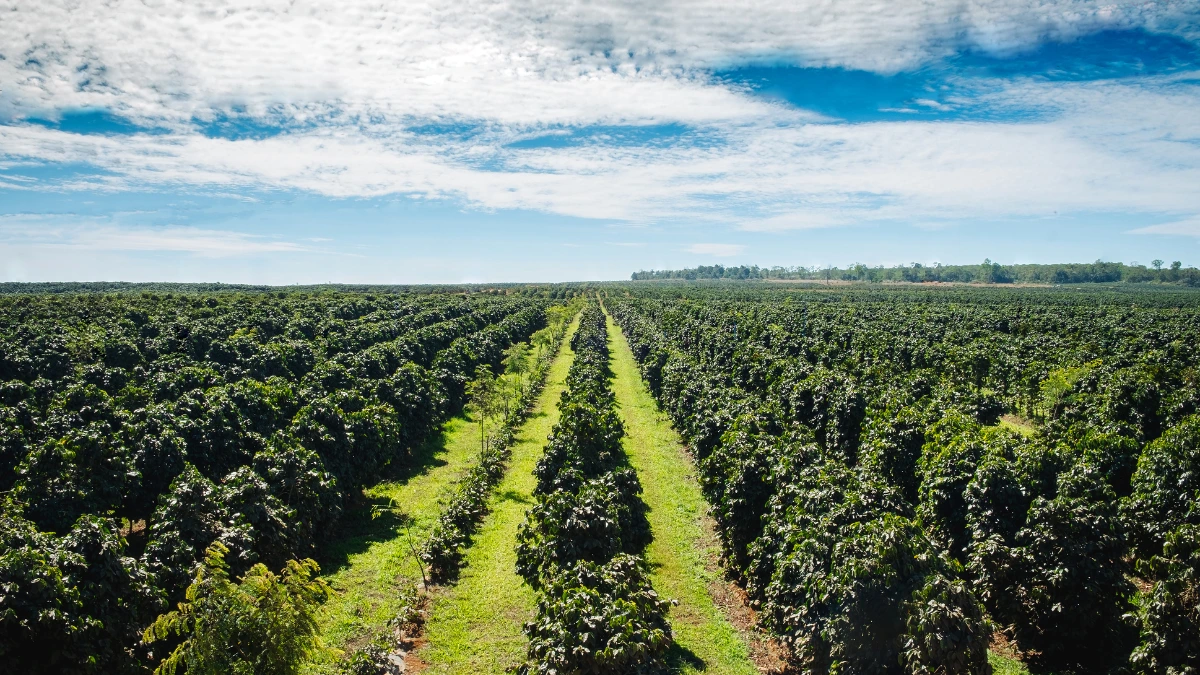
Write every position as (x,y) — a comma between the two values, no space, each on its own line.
(897,480)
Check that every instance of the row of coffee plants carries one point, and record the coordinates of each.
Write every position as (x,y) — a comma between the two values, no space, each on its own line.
(581,544)
(896,473)
(510,397)
(137,430)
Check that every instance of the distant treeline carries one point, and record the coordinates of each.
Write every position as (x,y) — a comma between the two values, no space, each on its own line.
(987,272)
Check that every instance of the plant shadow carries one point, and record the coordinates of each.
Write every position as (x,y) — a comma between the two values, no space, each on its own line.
(367,519)
(513,496)
(679,657)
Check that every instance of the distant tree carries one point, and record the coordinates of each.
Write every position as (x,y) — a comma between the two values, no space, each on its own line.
(1156,264)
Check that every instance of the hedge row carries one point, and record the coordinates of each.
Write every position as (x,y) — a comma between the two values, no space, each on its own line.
(581,544)
(467,507)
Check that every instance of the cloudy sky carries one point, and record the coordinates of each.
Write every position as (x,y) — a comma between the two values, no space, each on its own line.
(281,141)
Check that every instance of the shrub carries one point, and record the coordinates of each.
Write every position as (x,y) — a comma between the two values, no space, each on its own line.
(1169,618)
(606,516)
(1059,582)
(70,604)
(1165,486)
(874,596)
(264,624)
(598,619)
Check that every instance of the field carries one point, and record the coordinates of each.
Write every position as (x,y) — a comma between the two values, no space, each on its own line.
(602,478)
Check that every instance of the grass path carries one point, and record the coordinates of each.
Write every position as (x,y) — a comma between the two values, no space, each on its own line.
(475,625)
(683,553)
(373,562)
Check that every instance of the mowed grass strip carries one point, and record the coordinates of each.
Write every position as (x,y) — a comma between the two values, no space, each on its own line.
(373,563)
(475,626)
(682,556)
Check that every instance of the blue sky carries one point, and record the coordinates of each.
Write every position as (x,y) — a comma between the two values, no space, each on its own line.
(482,141)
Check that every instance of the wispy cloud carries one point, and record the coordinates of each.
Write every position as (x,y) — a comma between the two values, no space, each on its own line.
(807,219)
(718,250)
(1188,227)
(522,62)
(37,231)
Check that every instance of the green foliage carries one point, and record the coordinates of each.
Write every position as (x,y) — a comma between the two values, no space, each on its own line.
(946,630)
(579,544)
(1165,487)
(737,478)
(1169,617)
(892,447)
(597,619)
(1044,515)
(873,596)
(246,418)
(1059,385)
(70,604)
(263,624)
(947,464)
(1059,581)
(600,518)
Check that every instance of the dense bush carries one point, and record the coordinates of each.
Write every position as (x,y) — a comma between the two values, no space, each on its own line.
(1059,581)
(71,603)
(1165,487)
(1170,617)
(594,521)
(581,540)
(598,619)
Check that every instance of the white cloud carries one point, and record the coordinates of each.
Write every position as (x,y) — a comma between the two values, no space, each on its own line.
(346,83)
(1189,227)
(523,62)
(798,220)
(46,231)
(718,250)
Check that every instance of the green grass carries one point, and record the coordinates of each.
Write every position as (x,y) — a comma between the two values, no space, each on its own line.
(475,626)
(1006,666)
(682,556)
(372,563)
(1018,424)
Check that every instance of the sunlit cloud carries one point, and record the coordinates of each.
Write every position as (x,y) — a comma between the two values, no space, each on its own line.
(441,100)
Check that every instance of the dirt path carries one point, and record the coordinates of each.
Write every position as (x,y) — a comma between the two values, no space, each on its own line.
(684,551)
(475,626)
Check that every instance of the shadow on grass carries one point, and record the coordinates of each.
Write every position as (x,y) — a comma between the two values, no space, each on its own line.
(513,496)
(367,520)
(679,656)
